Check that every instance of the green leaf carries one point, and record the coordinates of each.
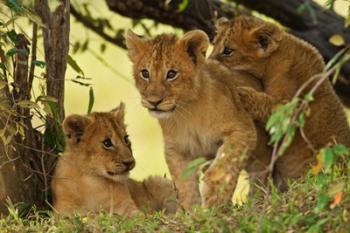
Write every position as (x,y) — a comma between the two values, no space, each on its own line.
(53,135)
(135,22)
(317,227)
(14,51)
(335,188)
(45,98)
(309,97)
(336,58)
(330,4)
(322,202)
(301,120)
(103,47)
(27,104)
(192,166)
(12,35)
(85,46)
(2,66)
(76,47)
(81,83)
(91,100)
(341,149)
(47,109)
(328,158)
(41,64)
(72,63)
(14,5)
(183,5)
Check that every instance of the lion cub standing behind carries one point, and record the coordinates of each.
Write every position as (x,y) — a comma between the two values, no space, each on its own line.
(283,63)
(92,174)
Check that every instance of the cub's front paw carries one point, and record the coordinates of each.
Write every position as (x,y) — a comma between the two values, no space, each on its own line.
(245,91)
(217,188)
(134,213)
(247,95)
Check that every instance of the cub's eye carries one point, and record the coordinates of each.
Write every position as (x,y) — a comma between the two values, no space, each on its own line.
(126,140)
(227,51)
(171,75)
(145,74)
(107,143)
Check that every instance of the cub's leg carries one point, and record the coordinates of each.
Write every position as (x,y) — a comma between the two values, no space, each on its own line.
(154,194)
(258,104)
(187,188)
(258,162)
(162,192)
(221,178)
(127,208)
(122,203)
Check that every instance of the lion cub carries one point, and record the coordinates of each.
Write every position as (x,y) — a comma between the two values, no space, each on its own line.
(283,63)
(92,174)
(199,114)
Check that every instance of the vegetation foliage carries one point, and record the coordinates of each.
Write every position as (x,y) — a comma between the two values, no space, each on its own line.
(319,203)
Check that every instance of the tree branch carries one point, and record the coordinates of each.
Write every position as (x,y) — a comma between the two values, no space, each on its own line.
(99,29)
(315,26)
(199,14)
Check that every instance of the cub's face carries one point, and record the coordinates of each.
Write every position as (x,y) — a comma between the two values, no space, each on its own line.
(245,43)
(100,143)
(165,69)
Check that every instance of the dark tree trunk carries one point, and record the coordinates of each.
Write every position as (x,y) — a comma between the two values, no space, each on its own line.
(17,183)
(56,45)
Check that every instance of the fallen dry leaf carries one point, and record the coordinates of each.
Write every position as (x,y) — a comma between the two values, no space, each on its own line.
(337,199)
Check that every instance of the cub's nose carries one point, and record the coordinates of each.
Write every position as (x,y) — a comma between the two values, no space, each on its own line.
(129,164)
(155,103)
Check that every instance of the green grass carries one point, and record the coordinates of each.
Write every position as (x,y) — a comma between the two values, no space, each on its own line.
(309,206)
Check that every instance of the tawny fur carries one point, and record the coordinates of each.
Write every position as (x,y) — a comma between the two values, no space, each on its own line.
(283,63)
(90,177)
(199,113)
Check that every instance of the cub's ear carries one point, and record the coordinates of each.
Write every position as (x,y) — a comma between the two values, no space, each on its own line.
(221,22)
(135,45)
(119,112)
(74,127)
(196,43)
(266,38)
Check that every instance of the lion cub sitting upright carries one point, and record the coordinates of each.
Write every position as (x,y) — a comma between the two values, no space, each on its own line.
(283,63)
(199,114)
(92,174)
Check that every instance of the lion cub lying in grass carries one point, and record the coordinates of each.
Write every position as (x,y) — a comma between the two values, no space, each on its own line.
(283,63)
(92,174)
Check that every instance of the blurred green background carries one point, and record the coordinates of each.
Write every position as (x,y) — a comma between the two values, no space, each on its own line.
(112,82)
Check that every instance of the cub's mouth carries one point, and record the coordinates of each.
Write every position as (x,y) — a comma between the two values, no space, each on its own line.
(117,176)
(110,173)
(160,113)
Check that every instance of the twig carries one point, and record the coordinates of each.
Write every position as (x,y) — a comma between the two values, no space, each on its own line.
(44,173)
(9,161)
(309,144)
(35,149)
(33,58)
